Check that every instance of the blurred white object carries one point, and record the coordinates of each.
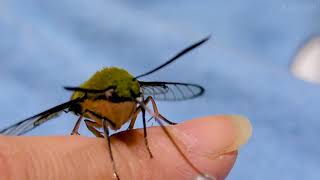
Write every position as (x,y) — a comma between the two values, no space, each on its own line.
(306,64)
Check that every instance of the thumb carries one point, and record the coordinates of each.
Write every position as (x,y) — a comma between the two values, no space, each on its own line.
(210,143)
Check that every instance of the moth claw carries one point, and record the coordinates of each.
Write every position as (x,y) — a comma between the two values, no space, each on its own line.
(75,133)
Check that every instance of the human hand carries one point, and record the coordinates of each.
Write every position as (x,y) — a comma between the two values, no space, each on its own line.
(211,144)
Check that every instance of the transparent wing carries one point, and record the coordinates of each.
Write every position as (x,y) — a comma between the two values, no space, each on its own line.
(36,120)
(170,91)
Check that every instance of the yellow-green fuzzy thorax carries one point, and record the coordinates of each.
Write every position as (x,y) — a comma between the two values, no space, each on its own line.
(123,82)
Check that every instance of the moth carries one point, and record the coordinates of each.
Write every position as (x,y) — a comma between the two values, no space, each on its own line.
(112,97)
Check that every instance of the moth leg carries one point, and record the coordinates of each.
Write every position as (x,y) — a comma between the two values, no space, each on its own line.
(145,131)
(140,109)
(98,118)
(107,138)
(154,106)
(155,109)
(133,120)
(157,117)
(91,125)
(101,121)
(135,114)
(76,126)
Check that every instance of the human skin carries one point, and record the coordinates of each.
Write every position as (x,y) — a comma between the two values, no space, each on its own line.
(210,143)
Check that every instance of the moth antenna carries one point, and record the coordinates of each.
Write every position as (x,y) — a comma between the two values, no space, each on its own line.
(181,53)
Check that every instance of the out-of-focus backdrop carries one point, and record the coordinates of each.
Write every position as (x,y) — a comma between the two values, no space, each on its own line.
(45,45)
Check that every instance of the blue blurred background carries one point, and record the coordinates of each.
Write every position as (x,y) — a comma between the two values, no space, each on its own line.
(45,45)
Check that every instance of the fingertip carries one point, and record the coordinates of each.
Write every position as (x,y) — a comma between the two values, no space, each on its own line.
(211,144)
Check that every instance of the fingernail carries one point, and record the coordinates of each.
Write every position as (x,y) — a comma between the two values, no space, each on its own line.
(206,177)
(242,131)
